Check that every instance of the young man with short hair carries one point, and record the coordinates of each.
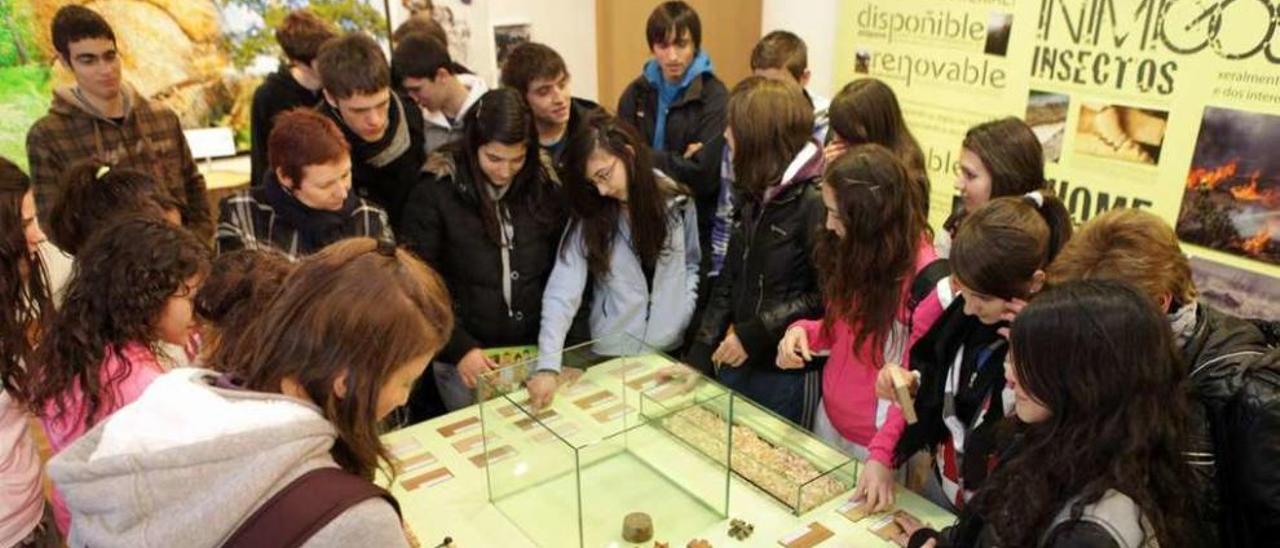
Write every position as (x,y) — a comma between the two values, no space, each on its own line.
(305,201)
(102,118)
(441,87)
(1233,378)
(678,104)
(540,75)
(295,84)
(384,132)
(781,55)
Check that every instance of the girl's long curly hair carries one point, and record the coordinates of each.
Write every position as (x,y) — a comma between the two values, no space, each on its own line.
(123,279)
(1119,411)
(25,300)
(863,274)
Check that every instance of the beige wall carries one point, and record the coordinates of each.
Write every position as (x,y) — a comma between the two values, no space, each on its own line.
(729,30)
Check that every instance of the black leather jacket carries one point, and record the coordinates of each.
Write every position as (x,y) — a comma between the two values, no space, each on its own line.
(1236,382)
(768,279)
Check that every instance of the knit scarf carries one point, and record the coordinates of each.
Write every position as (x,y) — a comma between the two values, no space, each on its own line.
(316,227)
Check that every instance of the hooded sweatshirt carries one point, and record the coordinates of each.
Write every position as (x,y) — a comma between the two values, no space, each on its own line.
(668,92)
(147,138)
(625,301)
(187,462)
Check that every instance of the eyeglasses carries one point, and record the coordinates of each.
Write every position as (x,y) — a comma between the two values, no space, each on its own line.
(602,176)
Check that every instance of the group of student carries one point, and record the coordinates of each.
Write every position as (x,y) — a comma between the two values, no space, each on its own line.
(1069,389)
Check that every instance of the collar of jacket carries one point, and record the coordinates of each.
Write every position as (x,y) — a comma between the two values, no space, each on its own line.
(67,103)
(691,94)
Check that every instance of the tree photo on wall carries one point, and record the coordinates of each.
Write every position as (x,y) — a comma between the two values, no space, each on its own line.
(24,78)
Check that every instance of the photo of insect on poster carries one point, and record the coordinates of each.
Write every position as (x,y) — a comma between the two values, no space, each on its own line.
(1232,197)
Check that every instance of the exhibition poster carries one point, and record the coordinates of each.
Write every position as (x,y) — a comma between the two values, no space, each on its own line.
(1171,106)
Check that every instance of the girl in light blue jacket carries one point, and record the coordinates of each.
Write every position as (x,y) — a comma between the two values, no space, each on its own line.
(634,236)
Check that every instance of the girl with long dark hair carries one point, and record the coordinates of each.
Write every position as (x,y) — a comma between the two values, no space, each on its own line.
(633,234)
(131,293)
(1096,460)
(768,279)
(489,221)
(998,261)
(875,245)
(997,158)
(867,111)
(25,304)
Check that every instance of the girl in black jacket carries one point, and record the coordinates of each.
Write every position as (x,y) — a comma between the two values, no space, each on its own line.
(489,221)
(768,279)
(1097,459)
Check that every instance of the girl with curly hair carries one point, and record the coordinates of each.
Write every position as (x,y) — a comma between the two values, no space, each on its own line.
(131,293)
(1096,460)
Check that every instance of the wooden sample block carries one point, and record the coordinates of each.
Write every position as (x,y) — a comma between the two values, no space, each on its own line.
(427,479)
(595,399)
(464,425)
(501,453)
(806,537)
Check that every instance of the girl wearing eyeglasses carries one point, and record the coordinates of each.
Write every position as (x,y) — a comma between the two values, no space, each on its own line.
(633,235)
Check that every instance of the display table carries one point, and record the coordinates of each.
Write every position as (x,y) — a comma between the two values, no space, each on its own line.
(444,491)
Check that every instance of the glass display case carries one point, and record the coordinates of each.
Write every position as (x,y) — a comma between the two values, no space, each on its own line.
(638,433)
(570,472)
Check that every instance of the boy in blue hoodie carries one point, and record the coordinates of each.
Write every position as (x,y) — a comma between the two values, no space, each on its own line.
(677,102)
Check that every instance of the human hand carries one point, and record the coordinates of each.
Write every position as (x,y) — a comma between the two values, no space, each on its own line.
(909,525)
(892,375)
(875,487)
(692,149)
(730,352)
(474,364)
(834,149)
(793,349)
(542,388)
(1011,310)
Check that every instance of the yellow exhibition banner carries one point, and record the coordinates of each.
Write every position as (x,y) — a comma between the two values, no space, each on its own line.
(1172,106)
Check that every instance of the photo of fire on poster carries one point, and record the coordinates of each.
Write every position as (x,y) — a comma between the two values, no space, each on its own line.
(1232,197)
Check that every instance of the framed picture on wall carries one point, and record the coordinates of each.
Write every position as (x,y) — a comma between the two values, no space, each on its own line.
(506,36)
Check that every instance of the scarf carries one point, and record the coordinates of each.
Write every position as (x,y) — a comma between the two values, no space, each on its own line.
(316,227)
(393,144)
(1183,323)
(668,92)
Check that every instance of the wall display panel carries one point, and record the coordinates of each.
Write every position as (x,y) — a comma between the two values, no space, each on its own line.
(1164,105)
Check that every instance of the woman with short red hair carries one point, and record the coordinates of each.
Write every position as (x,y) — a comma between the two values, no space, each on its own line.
(305,201)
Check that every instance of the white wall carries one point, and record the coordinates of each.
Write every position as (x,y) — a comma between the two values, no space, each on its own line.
(815,22)
(568,26)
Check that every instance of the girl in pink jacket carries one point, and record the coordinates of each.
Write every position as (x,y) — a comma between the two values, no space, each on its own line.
(875,247)
(129,299)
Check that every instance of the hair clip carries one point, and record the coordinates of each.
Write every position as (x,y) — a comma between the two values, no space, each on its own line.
(1036,197)
(386,248)
(102,170)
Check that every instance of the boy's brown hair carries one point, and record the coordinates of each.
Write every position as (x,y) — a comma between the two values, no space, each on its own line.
(353,64)
(781,49)
(420,23)
(302,33)
(531,61)
(1129,245)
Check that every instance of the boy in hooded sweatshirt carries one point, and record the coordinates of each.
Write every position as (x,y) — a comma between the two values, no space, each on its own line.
(678,105)
(102,118)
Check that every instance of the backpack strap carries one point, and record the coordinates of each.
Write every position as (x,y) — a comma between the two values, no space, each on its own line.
(290,517)
(926,280)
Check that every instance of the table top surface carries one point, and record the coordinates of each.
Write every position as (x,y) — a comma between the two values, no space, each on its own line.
(443,492)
